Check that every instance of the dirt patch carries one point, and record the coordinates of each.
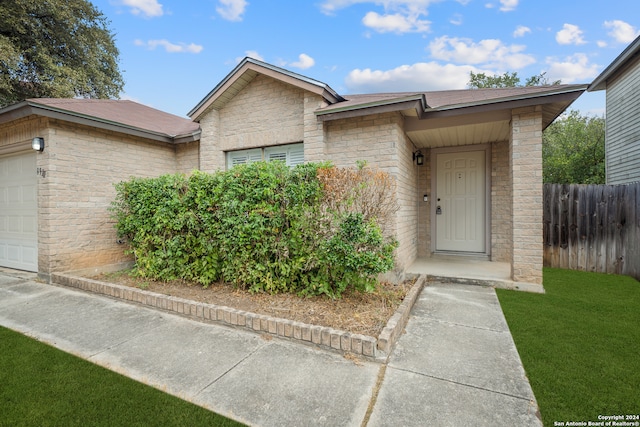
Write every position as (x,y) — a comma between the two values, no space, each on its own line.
(355,312)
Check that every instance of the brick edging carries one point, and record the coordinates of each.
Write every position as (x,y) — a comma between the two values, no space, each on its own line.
(397,322)
(322,336)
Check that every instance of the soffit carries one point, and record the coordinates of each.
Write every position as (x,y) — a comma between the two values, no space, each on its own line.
(478,124)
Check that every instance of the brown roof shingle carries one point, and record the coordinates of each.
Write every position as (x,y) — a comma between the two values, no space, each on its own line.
(444,98)
(122,112)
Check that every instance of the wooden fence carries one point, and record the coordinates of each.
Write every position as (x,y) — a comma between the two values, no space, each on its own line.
(593,228)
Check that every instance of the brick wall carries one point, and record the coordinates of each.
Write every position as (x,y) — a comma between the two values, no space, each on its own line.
(314,130)
(266,112)
(424,208)
(82,165)
(19,133)
(380,140)
(501,229)
(526,175)
(409,201)
(211,156)
(372,138)
(187,156)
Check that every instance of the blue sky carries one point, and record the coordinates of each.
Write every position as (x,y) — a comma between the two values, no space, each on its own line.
(173,52)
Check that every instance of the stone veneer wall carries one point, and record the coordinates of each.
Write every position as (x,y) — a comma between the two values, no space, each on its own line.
(526,175)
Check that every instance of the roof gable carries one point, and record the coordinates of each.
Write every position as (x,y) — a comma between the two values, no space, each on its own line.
(245,72)
(629,55)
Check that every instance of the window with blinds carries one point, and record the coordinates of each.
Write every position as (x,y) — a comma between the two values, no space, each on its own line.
(290,154)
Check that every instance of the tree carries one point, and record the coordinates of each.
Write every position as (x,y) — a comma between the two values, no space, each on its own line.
(56,48)
(483,81)
(573,150)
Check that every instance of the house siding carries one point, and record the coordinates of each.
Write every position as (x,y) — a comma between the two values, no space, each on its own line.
(623,127)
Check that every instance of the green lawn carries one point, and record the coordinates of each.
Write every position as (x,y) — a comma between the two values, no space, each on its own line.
(579,343)
(43,386)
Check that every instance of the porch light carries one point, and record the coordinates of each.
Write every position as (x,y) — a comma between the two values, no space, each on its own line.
(418,157)
(37,144)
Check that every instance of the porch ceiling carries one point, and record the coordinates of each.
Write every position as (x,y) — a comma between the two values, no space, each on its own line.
(457,117)
(468,126)
(480,128)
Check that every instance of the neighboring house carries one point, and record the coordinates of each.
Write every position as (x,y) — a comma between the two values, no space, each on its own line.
(477,194)
(621,80)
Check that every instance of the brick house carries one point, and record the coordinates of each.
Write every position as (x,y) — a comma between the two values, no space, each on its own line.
(477,192)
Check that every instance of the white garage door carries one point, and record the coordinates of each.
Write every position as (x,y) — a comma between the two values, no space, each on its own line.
(19,212)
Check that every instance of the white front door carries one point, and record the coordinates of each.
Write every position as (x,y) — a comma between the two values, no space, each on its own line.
(460,211)
(19,212)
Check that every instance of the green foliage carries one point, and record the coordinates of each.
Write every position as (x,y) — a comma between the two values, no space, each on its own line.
(574,342)
(261,226)
(483,81)
(355,255)
(573,150)
(56,48)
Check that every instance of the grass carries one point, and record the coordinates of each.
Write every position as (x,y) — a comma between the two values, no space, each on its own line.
(43,386)
(579,343)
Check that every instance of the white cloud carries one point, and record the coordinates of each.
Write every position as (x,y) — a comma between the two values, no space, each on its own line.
(148,8)
(508,5)
(621,31)
(232,10)
(170,47)
(570,34)
(395,23)
(400,16)
(601,43)
(574,68)
(490,53)
(304,62)
(521,30)
(456,19)
(251,54)
(418,77)
(254,54)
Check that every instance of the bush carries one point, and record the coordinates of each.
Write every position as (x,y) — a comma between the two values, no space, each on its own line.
(262,227)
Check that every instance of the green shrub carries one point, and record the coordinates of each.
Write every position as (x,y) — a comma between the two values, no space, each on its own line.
(263,227)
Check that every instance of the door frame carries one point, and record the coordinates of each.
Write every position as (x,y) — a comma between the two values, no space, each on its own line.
(487,191)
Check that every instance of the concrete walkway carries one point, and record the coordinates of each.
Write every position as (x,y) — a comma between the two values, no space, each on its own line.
(456,364)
